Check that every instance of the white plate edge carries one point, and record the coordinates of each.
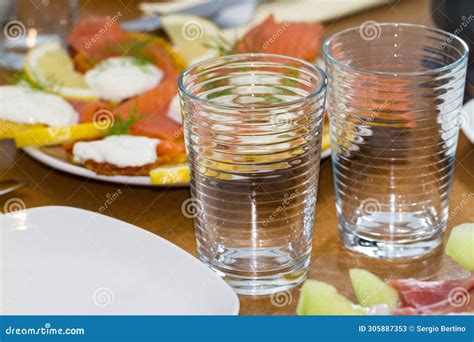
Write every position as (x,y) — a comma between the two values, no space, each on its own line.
(60,165)
(235,302)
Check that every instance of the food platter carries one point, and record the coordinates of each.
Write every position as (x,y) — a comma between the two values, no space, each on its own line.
(53,157)
(109,96)
(56,159)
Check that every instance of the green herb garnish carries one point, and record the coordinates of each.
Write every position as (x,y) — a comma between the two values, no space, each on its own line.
(50,84)
(122,126)
(220,44)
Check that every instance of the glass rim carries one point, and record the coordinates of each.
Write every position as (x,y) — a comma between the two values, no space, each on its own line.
(316,70)
(448,35)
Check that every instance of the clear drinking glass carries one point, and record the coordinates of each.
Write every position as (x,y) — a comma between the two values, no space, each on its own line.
(394,100)
(27,23)
(253,134)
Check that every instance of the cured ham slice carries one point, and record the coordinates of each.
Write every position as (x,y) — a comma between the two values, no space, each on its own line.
(434,297)
(300,40)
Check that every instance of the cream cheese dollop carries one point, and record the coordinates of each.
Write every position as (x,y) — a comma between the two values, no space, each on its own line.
(119,150)
(174,111)
(118,78)
(30,106)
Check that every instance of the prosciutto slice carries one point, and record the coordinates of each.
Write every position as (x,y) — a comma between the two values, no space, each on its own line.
(434,297)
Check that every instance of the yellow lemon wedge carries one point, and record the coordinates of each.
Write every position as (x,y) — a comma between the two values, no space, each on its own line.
(9,129)
(46,136)
(170,175)
(326,139)
(50,67)
(193,37)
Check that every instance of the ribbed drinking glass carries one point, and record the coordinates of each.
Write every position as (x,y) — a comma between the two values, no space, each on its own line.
(394,100)
(253,134)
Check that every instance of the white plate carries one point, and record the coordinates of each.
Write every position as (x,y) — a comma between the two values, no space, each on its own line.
(65,166)
(68,261)
(467,117)
(326,153)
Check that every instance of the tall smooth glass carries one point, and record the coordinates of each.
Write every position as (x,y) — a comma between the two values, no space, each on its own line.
(253,136)
(394,100)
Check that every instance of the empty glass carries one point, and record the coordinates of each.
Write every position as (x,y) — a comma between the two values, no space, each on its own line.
(253,134)
(27,23)
(394,100)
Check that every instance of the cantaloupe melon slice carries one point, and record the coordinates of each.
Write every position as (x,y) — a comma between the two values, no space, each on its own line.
(460,245)
(319,298)
(371,290)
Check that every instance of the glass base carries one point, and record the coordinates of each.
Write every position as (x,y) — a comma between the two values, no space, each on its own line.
(415,247)
(263,285)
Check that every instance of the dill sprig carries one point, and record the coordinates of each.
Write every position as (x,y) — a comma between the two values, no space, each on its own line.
(220,44)
(50,84)
(137,47)
(122,126)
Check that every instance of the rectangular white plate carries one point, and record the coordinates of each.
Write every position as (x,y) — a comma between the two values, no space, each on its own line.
(69,261)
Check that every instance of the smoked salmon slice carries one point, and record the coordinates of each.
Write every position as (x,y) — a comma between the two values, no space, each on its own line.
(87,109)
(152,108)
(95,39)
(300,40)
(92,35)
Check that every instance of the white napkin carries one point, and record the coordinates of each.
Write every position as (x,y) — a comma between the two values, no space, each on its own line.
(283,10)
(168,6)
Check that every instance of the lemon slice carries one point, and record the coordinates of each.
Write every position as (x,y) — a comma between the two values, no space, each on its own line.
(49,66)
(326,139)
(194,38)
(46,136)
(9,129)
(170,175)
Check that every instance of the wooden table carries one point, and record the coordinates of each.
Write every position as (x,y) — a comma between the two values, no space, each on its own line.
(159,209)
